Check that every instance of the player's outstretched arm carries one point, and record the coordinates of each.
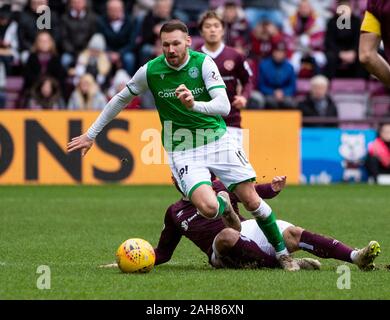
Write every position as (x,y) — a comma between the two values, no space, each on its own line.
(265,190)
(271,190)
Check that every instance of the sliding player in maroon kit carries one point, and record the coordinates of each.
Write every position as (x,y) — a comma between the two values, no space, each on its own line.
(229,248)
(232,66)
(376,28)
(249,248)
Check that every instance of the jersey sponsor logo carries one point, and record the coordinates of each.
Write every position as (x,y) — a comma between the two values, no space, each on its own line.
(179,213)
(229,65)
(170,93)
(193,72)
(167,93)
(162,76)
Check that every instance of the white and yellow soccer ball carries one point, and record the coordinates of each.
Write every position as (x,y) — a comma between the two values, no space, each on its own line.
(135,255)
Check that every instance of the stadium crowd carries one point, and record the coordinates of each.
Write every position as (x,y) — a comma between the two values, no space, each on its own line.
(300,58)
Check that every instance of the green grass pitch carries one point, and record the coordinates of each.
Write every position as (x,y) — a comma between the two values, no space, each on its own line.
(74,229)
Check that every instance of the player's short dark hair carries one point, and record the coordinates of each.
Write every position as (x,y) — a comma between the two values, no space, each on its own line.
(174,25)
(209,14)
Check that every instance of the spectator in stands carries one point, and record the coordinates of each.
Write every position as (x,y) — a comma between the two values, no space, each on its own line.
(318,102)
(119,82)
(277,79)
(28,29)
(263,37)
(324,8)
(306,30)
(189,12)
(16,5)
(46,94)
(117,30)
(77,25)
(342,44)
(235,25)
(152,23)
(8,39)
(142,7)
(378,158)
(259,10)
(87,95)
(8,47)
(58,6)
(94,60)
(43,61)
(100,6)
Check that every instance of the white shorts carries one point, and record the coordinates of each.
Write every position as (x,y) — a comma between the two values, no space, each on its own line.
(251,230)
(191,168)
(237,134)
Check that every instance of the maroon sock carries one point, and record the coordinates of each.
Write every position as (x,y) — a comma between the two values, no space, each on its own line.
(324,247)
(247,253)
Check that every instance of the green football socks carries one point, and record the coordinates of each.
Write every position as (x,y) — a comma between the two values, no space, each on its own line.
(272,232)
(222,205)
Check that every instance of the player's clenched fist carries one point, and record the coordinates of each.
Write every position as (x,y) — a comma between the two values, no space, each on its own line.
(185,96)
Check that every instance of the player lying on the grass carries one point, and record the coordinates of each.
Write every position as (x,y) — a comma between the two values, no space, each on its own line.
(229,248)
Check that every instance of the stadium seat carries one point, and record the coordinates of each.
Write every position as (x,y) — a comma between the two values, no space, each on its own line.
(380,106)
(351,106)
(303,86)
(348,86)
(13,89)
(354,126)
(376,88)
(14,84)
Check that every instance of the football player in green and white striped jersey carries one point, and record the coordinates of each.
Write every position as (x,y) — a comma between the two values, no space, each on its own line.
(191,99)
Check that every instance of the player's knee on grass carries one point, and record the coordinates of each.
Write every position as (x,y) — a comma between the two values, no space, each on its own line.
(291,236)
(226,239)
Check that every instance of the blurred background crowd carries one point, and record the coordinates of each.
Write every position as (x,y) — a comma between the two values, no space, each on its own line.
(299,57)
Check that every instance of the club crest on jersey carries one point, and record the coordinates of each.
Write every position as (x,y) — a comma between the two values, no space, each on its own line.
(229,65)
(193,72)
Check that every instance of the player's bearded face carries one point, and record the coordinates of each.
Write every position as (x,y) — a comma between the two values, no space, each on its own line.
(175,45)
